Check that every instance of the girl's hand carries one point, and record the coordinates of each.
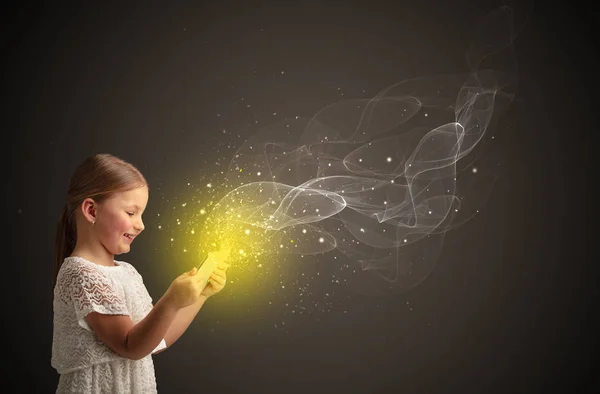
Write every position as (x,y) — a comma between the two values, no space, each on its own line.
(217,281)
(186,289)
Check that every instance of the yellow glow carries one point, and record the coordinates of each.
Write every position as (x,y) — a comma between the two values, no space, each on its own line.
(246,221)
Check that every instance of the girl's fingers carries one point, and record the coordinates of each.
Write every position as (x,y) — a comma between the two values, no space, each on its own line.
(220,273)
(217,279)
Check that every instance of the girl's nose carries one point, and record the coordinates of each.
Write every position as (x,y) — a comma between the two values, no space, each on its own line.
(140,227)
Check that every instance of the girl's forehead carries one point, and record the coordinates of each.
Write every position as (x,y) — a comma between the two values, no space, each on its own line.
(134,196)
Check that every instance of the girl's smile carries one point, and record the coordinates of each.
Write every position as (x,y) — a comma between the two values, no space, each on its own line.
(129,237)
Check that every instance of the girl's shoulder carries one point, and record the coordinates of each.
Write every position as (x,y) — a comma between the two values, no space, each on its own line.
(74,265)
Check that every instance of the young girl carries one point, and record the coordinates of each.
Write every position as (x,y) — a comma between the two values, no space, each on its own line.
(105,325)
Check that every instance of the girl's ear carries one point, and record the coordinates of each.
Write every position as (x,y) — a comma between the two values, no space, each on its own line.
(89,209)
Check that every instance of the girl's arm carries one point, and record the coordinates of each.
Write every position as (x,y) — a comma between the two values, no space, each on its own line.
(135,341)
(182,321)
(186,315)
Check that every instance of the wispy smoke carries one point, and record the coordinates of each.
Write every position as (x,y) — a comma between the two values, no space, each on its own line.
(377,179)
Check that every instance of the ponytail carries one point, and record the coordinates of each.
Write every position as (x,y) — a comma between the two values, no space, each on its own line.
(66,238)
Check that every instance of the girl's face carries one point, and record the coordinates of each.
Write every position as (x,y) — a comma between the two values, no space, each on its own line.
(119,219)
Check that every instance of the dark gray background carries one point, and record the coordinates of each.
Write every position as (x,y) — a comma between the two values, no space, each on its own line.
(510,305)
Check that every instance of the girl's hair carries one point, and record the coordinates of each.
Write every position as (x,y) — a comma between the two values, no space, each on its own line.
(97,177)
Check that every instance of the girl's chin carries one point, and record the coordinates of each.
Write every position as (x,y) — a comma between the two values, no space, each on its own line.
(120,249)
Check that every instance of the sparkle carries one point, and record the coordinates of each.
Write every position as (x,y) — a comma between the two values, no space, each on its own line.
(474,170)
(304,231)
(258,173)
(389,159)
(247,231)
(209,185)
(321,240)
(202,212)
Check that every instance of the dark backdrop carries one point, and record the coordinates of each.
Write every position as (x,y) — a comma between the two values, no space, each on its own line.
(510,304)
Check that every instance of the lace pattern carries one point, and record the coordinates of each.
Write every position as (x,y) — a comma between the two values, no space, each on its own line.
(85,363)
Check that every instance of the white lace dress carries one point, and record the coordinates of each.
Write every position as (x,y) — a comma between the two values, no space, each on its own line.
(86,364)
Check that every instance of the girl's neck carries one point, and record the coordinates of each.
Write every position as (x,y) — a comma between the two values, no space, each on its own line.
(100,257)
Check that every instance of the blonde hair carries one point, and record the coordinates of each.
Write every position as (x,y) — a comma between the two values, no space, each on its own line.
(97,177)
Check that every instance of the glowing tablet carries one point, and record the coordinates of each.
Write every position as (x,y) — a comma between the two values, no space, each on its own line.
(210,263)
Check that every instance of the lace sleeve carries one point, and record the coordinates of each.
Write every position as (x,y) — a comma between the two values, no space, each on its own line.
(91,291)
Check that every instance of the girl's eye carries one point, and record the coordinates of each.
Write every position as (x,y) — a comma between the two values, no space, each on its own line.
(130,213)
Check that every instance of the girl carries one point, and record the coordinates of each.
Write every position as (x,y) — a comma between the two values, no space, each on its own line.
(105,325)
